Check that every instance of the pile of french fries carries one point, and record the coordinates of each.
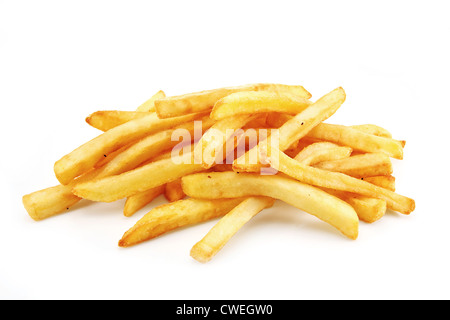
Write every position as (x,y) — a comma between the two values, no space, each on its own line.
(340,174)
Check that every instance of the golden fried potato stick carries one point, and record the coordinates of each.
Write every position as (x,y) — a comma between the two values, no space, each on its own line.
(212,142)
(373,129)
(175,215)
(336,180)
(360,166)
(298,126)
(217,185)
(367,209)
(357,140)
(204,100)
(252,102)
(86,156)
(227,226)
(322,151)
(387,182)
(49,202)
(149,105)
(174,191)
(136,202)
(105,120)
(148,176)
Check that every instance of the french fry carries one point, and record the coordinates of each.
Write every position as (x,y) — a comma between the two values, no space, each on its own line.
(49,202)
(216,185)
(175,215)
(368,209)
(322,151)
(338,181)
(212,143)
(252,102)
(204,100)
(105,120)
(136,202)
(297,127)
(357,140)
(387,182)
(86,156)
(149,105)
(373,129)
(360,166)
(148,176)
(227,226)
(174,191)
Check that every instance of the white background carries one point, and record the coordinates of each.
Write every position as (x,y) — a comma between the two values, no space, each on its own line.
(62,60)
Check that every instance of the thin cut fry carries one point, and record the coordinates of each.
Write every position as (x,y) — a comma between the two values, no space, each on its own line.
(251,102)
(357,139)
(373,129)
(138,180)
(174,191)
(149,105)
(175,215)
(138,201)
(105,120)
(368,209)
(297,127)
(49,202)
(339,181)
(322,151)
(211,144)
(86,156)
(227,226)
(217,185)
(387,182)
(360,166)
(204,100)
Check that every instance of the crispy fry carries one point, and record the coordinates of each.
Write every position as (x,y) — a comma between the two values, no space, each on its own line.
(105,120)
(86,156)
(136,202)
(151,175)
(322,151)
(297,127)
(360,166)
(216,185)
(211,144)
(49,202)
(251,102)
(387,182)
(205,100)
(357,139)
(368,209)
(174,191)
(339,181)
(373,129)
(174,215)
(149,105)
(227,226)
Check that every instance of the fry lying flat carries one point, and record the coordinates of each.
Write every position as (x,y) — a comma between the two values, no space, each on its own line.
(217,185)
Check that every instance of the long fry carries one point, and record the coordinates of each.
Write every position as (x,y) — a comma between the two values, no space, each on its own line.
(86,156)
(216,185)
(204,101)
(136,202)
(340,181)
(174,215)
(148,176)
(227,226)
(253,102)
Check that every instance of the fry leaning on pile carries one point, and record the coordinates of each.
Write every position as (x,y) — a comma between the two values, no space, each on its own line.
(228,154)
